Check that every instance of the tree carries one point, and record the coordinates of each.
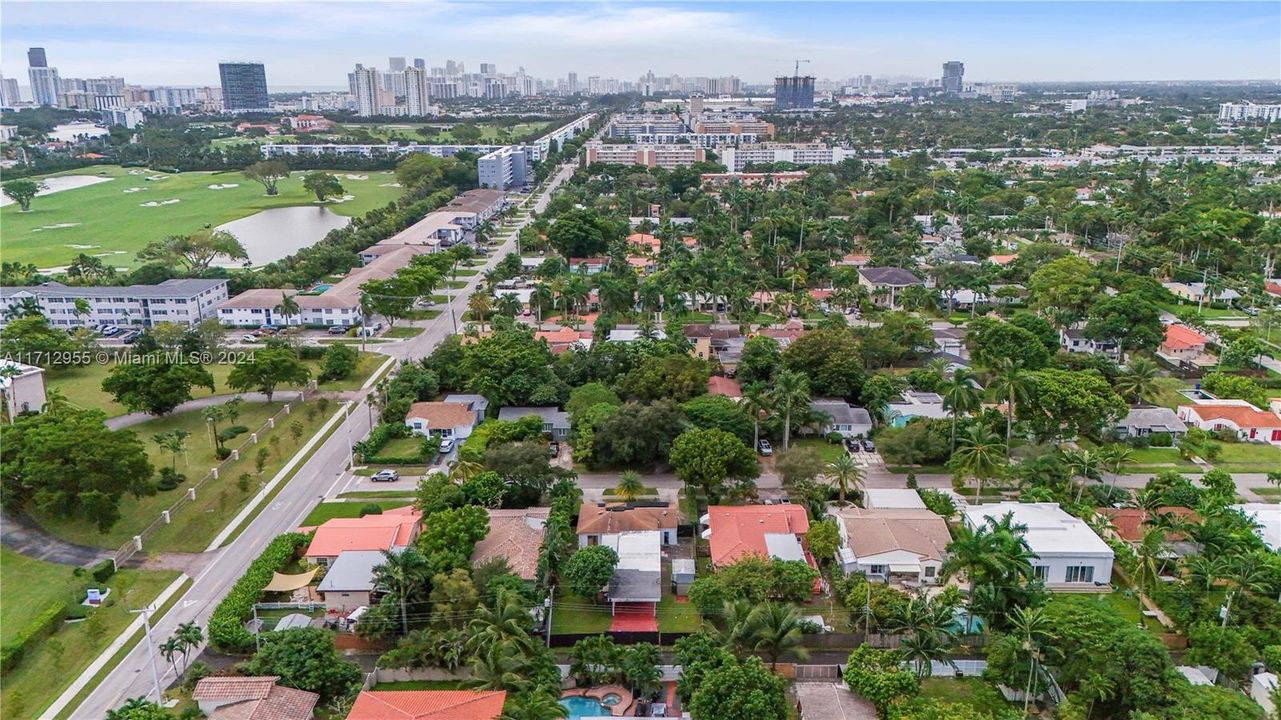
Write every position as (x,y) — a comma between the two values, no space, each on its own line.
(196,251)
(454,597)
(823,539)
(139,708)
(266,369)
(288,307)
(981,455)
(338,363)
(589,570)
(1065,286)
(451,536)
(22,191)
(738,689)
(877,676)
(32,340)
(1138,383)
(155,385)
(845,475)
(830,360)
(504,623)
(640,668)
(590,395)
(175,441)
(403,575)
(629,486)
(267,173)
(480,305)
(674,376)
(1014,386)
(790,397)
(704,459)
(1064,403)
(760,358)
(961,396)
(322,185)
(775,630)
(66,462)
(305,658)
(581,234)
(718,411)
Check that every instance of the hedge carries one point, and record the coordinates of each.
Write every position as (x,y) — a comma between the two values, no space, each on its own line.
(227,631)
(40,627)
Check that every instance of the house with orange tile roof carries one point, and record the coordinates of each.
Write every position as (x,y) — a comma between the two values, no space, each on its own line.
(1184,346)
(766,531)
(448,420)
(428,705)
(252,698)
(725,387)
(1131,524)
(644,241)
(396,528)
(516,536)
(597,520)
(1002,259)
(1249,422)
(562,339)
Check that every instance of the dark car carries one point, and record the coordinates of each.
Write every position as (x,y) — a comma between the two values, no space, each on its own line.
(868,446)
(763,447)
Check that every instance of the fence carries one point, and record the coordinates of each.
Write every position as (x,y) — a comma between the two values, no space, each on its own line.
(131,548)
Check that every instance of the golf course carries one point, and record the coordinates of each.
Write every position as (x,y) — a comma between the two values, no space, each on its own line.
(115,218)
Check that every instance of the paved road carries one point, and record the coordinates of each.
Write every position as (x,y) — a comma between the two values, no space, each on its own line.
(24,537)
(132,676)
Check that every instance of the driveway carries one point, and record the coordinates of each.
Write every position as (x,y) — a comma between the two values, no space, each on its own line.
(131,419)
(25,538)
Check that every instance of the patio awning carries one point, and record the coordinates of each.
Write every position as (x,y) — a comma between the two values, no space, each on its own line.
(912,568)
(289,583)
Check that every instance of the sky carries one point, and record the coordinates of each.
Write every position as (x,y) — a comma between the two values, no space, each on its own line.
(316,43)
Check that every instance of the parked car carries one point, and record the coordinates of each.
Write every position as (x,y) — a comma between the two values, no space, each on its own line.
(764,448)
(249,339)
(553,448)
(852,444)
(868,446)
(385,476)
(111,331)
(446,445)
(338,330)
(129,337)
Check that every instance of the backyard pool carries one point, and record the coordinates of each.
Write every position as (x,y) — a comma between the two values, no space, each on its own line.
(583,707)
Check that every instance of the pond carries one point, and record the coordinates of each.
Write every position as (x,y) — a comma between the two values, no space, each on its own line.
(69,132)
(280,232)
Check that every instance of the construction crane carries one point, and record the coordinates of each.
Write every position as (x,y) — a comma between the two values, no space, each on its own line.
(796,72)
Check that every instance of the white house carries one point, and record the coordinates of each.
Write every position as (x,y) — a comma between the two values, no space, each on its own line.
(1068,552)
(913,404)
(1073,340)
(450,421)
(1249,422)
(842,418)
(639,572)
(186,302)
(892,545)
(886,283)
(22,388)
(892,498)
(1143,420)
(1268,516)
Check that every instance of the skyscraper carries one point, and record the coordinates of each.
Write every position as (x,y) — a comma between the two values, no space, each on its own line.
(794,93)
(365,88)
(45,84)
(571,83)
(420,63)
(244,86)
(417,91)
(36,58)
(396,64)
(488,69)
(953,77)
(9,95)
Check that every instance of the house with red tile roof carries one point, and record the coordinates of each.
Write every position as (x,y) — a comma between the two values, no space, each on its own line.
(396,528)
(1184,346)
(562,339)
(644,241)
(1002,259)
(1131,524)
(766,531)
(428,705)
(252,698)
(448,420)
(516,536)
(725,387)
(1249,422)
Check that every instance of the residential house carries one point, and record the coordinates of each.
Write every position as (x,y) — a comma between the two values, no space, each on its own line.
(589,266)
(1073,340)
(448,420)
(886,283)
(1263,688)
(1130,524)
(394,529)
(1247,421)
(349,582)
(478,404)
(639,573)
(632,334)
(951,340)
(840,417)
(596,520)
(555,420)
(724,387)
(1143,420)
(1184,347)
(515,536)
(766,531)
(913,404)
(428,705)
(1068,553)
(563,339)
(1199,292)
(1268,517)
(896,544)
(252,698)
(892,499)
(22,388)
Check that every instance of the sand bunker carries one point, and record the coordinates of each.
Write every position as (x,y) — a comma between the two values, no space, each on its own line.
(133,190)
(356,177)
(60,183)
(390,185)
(83,247)
(224,186)
(155,203)
(343,199)
(57,226)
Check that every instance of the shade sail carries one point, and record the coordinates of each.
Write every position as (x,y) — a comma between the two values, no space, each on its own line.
(289,583)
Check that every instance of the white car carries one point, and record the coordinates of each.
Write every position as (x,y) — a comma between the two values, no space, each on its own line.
(248,339)
(446,446)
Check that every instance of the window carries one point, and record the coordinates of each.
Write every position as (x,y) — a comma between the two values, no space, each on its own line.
(1080,574)
(1040,572)
(876,570)
(929,571)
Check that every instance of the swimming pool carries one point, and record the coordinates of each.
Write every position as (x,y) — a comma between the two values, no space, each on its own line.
(321,288)
(583,707)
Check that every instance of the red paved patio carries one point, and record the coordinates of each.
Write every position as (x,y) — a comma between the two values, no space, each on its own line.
(634,617)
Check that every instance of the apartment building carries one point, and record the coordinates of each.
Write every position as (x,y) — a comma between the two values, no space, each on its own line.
(507,167)
(1243,112)
(738,158)
(629,125)
(734,126)
(665,156)
(186,302)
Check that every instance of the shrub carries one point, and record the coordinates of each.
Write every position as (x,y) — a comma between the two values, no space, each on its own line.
(231,433)
(371,509)
(40,627)
(222,453)
(226,626)
(103,571)
(1160,439)
(170,479)
(311,352)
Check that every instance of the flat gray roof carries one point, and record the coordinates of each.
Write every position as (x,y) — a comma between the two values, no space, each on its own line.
(352,571)
(557,417)
(168,288)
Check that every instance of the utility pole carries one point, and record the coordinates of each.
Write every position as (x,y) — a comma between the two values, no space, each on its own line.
(257,630)
(346,422)
(551,593)
(151,650)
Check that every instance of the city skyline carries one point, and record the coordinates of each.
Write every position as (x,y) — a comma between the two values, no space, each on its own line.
(183,43)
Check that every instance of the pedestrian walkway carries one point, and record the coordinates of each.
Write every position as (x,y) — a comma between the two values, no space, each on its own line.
(21,535)
(137,418)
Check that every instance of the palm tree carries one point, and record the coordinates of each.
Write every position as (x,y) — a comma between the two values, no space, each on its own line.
(629,486)
(1246,574)
(480,305)
(981,455)
(1084,464)
(734,632)
(463,470)
(1013,385)
(191,636)
(756,405)
(1096,687)
(1138,383)
(535,706)
(26,307)
(401,574)
(288,306)
(776,630)
(790,396)
(929,635)
(174,441)
(961,397)
(504,624)
(1149,556)
(1031,626)
(495,668)
(170,649)
(845,474)
(1114,457)
(1203,572)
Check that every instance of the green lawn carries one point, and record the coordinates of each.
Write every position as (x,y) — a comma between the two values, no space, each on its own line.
(330,510)
(404,331)
(676,616)
(406,494)
(28,587)
(829,452)
(105,219)
(1126,605)
(402,447)
(490,132)
(42,675)
(579,618)
(1158,456)
(1167,394)
(367,363)
(1248,457)
(1207,312)
(1268,492)
(217,502)
(972,692)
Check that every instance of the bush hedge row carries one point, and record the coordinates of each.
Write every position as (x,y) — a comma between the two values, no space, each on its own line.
(227,631)
(40,627)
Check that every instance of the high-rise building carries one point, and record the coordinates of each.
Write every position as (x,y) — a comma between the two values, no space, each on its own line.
(571,83)
(453,68)
(953,77)
(109,85)
(36,58)
(45,83)
(9,94)
(365,88)
(396,64)
(420,63)
(417,91)
(244,86)
(794,93)
(488,69)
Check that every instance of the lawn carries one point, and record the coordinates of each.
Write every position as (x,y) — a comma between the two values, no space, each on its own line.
(45,671)
(104,219)
(217,502)
(330,510)
(1126,604)
(1207,312)
(29,586)
(443,136)
(404,331)
(828,452)
(82,384)
(972,692)
(1248,457)
(579,615)
(1150,456)
(1268,492)
(1167,392)
(677,617)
